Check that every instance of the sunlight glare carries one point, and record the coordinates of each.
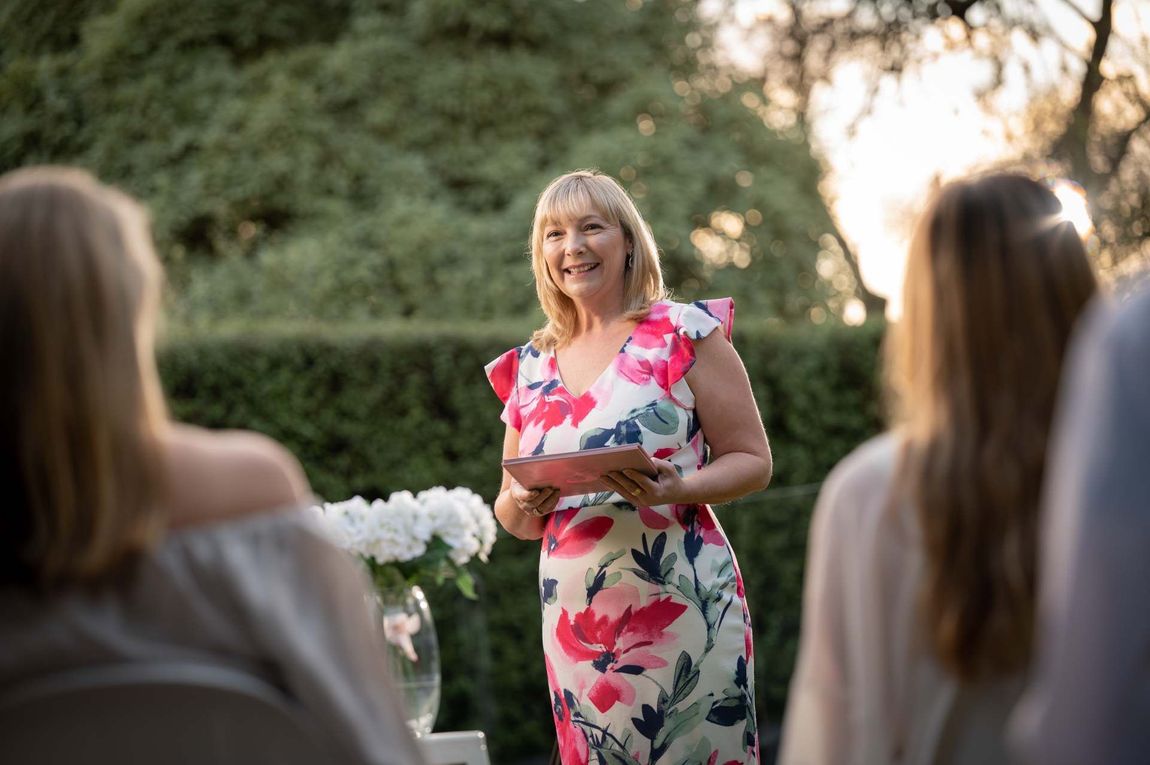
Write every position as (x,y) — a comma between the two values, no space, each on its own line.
(1074,206)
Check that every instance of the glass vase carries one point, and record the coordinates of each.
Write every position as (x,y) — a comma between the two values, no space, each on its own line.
(412,653)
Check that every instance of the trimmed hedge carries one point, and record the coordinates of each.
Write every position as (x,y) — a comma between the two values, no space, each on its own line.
(369,410)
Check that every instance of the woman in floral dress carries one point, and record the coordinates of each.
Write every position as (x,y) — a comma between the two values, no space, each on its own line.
(646,632)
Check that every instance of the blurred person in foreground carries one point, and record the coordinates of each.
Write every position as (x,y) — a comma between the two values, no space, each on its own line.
(646,631)
(1088,699)
(126,536)
(919,597)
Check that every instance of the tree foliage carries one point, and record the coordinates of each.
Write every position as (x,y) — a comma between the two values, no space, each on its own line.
(355,159)
(1084,67)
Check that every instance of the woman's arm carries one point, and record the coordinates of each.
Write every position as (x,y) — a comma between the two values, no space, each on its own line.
(740,455)
(514,502)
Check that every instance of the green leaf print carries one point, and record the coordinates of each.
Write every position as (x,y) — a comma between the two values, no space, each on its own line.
(610,558)
(596,437)
(700,754)
(661,417)
(687,589)
(679,723)
(686,678)
(616,757)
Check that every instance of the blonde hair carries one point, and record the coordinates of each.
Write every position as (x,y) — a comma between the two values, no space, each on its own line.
(80,395)
(995,282)
(571,195)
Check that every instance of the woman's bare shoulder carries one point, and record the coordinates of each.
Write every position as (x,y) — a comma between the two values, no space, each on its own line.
(219,475)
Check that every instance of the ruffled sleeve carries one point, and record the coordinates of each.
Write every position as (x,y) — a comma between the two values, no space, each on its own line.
(503,374)
(694,322)
(699,319)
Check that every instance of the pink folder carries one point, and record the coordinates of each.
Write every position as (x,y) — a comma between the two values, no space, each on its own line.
(578,472)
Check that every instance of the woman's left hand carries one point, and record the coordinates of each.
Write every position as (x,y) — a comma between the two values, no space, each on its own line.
(666,488)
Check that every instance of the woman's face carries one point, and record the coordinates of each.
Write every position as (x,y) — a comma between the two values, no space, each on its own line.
(586,255)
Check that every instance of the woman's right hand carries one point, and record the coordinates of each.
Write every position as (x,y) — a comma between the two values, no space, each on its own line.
(534,502)
(521,510)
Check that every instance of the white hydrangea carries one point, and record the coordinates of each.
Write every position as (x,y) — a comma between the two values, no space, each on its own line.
(397,531)
(400,528)
(453,523)
(344,522)
(482,521)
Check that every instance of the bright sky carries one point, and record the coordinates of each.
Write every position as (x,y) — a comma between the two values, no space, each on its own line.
(932,129)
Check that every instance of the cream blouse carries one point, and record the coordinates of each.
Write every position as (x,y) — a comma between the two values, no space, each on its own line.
(866,689)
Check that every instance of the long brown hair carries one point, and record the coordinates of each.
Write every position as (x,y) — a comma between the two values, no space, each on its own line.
(80,403)
(572,194)
(995,281)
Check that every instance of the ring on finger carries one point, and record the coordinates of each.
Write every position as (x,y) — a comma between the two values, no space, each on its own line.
(637,490)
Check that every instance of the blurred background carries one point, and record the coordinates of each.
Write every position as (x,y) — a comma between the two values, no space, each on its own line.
(342,190)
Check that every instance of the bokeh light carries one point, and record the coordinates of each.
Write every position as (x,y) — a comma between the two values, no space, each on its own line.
(1075,208)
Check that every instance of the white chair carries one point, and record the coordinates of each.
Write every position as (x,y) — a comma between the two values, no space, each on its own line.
(468,747)
(174,713)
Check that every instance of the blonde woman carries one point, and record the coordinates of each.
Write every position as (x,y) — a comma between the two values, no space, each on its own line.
(646,632)
(126,536)
(918,608)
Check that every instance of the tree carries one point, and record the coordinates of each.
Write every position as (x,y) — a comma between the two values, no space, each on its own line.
(1090,122)
(358,159)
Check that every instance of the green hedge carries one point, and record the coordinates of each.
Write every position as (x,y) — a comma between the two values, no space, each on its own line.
(370,410)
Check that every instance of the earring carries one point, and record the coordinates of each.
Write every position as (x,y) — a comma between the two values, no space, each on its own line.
(630,260)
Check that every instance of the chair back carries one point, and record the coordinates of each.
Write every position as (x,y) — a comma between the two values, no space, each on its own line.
(183,713)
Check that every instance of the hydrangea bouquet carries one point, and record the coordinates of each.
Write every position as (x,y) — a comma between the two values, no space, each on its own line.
(415,538)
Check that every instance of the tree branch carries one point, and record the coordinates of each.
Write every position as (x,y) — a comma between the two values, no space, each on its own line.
(1122,142)
(1071,145)
(875,305)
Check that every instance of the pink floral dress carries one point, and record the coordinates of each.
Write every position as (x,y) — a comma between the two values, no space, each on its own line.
(646,633)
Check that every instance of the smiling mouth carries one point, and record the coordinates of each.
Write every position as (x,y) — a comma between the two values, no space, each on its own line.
(580,269)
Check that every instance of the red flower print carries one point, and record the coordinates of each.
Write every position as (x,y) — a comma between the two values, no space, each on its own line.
(611,641)
(640,371)
(504,373)
(565,541)
(652,519)
(748,643)
(553,405)
(572,743)
(714,758)
(653,331)
(680,358)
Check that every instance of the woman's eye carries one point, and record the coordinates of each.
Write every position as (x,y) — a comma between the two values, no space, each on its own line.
(552,234)
(592,227)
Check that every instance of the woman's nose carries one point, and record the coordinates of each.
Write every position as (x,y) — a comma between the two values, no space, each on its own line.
(575,243)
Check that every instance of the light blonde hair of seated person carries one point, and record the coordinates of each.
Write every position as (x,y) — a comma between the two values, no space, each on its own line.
(574,194)
(995,282)
(82,405)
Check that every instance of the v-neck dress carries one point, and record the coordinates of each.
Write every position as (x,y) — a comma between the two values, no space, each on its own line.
(646,633)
